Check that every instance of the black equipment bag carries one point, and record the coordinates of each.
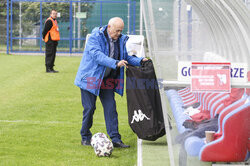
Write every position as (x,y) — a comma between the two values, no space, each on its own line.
(144,103)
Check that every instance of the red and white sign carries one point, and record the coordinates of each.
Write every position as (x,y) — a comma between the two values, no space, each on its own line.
(212,77)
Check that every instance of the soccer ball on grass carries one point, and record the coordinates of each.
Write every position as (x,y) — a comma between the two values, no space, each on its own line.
(103,147)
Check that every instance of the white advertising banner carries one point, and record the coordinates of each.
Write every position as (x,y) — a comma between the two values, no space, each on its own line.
(238,72)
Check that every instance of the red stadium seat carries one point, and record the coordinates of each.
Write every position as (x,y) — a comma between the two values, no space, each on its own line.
(232,146)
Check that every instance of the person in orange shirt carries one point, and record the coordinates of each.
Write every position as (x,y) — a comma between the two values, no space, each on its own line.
(51,36)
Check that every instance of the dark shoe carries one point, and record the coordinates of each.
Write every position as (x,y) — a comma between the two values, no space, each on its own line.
(120,145)
(55,71)
(52,68)
(85,143)
(51,71)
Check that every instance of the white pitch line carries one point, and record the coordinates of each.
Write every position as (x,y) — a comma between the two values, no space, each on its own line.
(50,122)
(139,152)
(34,122)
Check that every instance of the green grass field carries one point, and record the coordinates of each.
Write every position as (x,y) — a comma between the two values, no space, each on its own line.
(40,116)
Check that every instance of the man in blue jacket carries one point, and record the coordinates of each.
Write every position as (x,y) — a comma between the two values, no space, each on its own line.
(101,73)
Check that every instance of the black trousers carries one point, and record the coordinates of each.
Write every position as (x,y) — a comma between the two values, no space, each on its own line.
(50,53)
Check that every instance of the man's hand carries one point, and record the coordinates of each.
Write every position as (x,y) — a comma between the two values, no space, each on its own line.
(122,63)
(144,59)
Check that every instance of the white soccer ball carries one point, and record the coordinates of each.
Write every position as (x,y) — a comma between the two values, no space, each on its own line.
(103,147)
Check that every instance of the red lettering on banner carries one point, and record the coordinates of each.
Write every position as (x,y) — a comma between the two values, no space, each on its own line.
(211,77)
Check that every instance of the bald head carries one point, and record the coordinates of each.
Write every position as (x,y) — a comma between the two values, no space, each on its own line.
(115,27)
(116,21)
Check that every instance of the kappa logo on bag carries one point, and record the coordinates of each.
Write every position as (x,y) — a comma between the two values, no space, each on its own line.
(139,116)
